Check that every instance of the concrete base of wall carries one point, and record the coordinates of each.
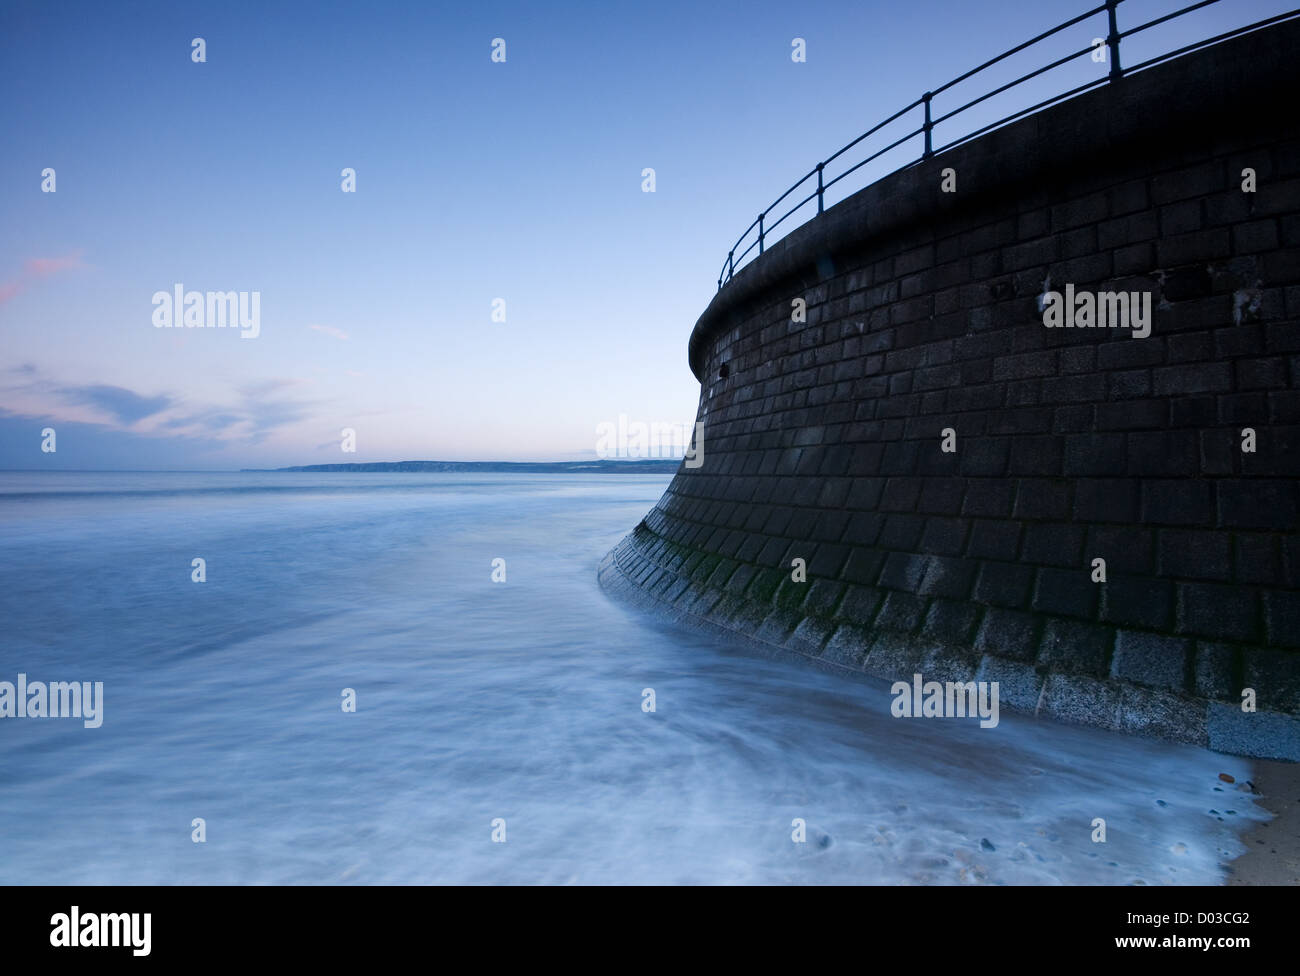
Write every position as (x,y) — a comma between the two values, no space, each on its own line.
(629,574)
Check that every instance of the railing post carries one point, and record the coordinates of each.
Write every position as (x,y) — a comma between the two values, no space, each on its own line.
(1112,41)
(819,187)
(760,233)
(928,125)
(731,268)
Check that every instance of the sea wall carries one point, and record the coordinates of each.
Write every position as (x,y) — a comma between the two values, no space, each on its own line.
(949,469)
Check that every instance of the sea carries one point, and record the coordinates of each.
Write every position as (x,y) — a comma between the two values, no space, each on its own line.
(386,678)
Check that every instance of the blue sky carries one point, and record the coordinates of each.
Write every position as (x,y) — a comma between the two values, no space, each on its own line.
(475,181)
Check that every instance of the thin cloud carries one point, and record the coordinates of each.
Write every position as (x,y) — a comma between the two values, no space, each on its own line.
(34,269)
(330,331)
(125,405)
(40,267)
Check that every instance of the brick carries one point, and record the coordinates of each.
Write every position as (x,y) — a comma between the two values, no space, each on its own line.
(1128,230)
(1024,366)
(1004,584)
(1008,633)
(1076,646)
(790,595)
(1151,659)
(1093,455)
(1068,593)
(943,536)
(1126,548)
(1171,502)
(1194,554)
(1132,414)
(1134,259)
(1216,611)
(1275,676)
(1203,245)
(1036,455)
(827,560)
(1123,351)
(950,620)
(1137,601)
(1197,378)
(900,612)
(994,539)
(1258,504)
(1257,374)
(863,528)
(1083,210)
(1200,180)
(1043,498)
(1052,544)
(983,456)
(860,604)
(1164,453)
(863,566)
(901,532)
(948,577)
(810,636)
(1188,347)
(1254,237)
(1213,670)
(848,646)
(903,571)
(1282,619)
(1127,383)
(985,497)
(1106,500)
(1255,559)
(1180,218)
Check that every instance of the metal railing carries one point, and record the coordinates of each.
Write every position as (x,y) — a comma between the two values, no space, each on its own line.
(926,129)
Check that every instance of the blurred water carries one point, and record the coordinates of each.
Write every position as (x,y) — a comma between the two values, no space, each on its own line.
(479,700)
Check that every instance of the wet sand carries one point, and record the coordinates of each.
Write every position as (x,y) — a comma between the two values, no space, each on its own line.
(1272,848)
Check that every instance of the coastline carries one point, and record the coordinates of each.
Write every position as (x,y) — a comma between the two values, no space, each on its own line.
(1272,854)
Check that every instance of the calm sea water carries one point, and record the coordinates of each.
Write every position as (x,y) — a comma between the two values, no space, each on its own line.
(479,700)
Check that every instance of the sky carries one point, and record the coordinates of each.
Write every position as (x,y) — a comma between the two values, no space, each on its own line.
(475,180)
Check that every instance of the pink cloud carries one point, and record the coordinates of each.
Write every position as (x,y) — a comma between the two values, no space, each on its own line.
(40,267)
(37,268)
(329,330)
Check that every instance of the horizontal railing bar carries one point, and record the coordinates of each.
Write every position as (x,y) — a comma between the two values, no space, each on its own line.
(1160,20)
(1026,111)
(1289,15)
(798,183)
(765,232)
(1020,47)
(808,199)
(872,131)
(1012,84)
(741,239)
(898,142)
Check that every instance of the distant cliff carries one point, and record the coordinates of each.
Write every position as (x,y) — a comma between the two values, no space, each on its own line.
(648,466)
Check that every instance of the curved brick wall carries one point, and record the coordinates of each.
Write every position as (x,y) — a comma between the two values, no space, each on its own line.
(822,440)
